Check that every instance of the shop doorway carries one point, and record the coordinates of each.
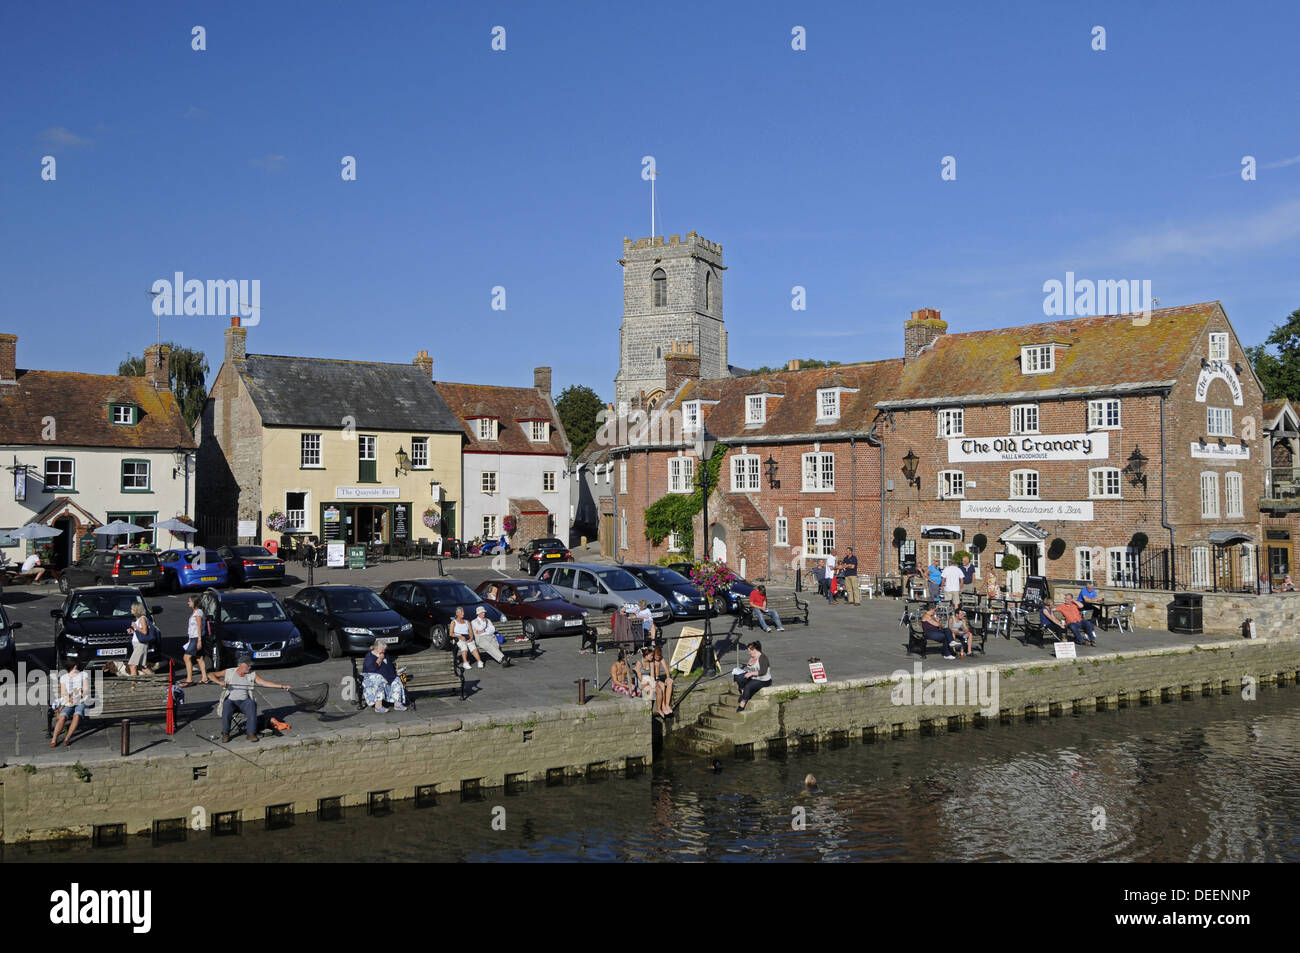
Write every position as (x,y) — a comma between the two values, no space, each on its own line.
(369,525)
(61,555)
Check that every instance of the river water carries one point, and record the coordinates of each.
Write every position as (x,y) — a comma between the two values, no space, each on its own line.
(1210,779)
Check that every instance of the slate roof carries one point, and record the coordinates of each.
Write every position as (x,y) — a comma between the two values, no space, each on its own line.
(1104,352)
(321,392)
(79,404)
(510,406)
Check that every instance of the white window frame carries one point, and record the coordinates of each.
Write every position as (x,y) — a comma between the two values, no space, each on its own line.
(1218,421)
(1209,495)
(690,417)
(828,403)
(951,485)
(1083,568)
(420,456)
(1201,566)
(1021,415)
(304,450)
(821,542)
(1028,477)
(1122,562)
(622,476)
(1218,345)
(1099,414)
(1038,359)
(488,482)
(539,431)
(487,428)
(942,551)
(821,478)
(1232,502)
(1104,483)
(681,474)
(755,409)
(548,477)
(491,527)
(622,529)
(674,542)
(148,475)
(366,441)
(782,531)
(130,414)
(952,422)
(745,473)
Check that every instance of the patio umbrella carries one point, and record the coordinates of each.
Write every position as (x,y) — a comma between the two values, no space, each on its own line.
(34,531)
(119,528)
(176,528)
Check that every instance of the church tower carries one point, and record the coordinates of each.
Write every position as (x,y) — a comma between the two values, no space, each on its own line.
(672,300)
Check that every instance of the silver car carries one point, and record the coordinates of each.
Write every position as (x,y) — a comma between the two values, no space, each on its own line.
(604,589)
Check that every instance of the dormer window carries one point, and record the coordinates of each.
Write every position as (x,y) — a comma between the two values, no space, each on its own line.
(756,409)
(1038,359)
(124,414)
(691,416)
(828,404)
(487,428)
(539,431)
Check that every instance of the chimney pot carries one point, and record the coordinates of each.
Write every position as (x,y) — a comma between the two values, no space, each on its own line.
(157,366)
(8,358)
(424,361)
(923,329)
(542,380)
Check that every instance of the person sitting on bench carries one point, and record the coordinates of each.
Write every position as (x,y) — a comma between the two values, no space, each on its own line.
(74,687)
(758,601)
(1076,623)
(33,564)
(379,680)
(936,631)
(1053,622)
(239,682)
(961,632)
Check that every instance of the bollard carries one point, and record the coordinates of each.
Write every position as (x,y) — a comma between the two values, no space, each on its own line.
(126,737)
(582,690)
(311,572)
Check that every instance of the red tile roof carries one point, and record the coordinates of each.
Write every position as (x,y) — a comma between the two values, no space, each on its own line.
(528,506)
(511,406)
(747,514)
(79,406)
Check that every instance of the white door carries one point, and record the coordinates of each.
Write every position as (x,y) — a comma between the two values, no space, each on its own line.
(719,550)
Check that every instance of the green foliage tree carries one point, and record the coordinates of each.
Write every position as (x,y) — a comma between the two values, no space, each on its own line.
(188,372)
(675,513)
(807,364)
(578,407)
(1277,361)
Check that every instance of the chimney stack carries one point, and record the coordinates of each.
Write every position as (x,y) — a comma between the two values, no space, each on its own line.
(793,365)
(923,329)
(542,380)
(680,365)
(235,341)
(425,362)
(157,366)
(8,358)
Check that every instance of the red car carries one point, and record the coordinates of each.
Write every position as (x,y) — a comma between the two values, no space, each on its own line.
(539,604)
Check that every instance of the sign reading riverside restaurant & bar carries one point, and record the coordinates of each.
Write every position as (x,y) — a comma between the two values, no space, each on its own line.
(1070,446)
(1025,510)
(367,492)
(1229,452)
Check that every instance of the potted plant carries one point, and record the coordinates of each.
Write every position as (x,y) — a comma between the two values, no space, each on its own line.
(431,518)
(509,524)
(276,520)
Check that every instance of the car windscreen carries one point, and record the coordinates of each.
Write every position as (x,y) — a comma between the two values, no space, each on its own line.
(619,579)
(252,610)
(252,552)
(136,560)
(452,593)
(538,592)
(547,544)
(102,605)
(354,600)
(665,577)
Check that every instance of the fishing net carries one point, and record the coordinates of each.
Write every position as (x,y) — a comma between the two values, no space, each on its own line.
(310,697)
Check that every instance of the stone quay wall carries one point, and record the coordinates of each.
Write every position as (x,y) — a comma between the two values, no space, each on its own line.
(443,758)
(1222,613)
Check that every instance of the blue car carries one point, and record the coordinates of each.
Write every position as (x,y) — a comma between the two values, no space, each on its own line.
(192,569)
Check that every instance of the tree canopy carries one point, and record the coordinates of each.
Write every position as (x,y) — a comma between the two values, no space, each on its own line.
(188,372)
(808,364)
(1277,360)
(578,407)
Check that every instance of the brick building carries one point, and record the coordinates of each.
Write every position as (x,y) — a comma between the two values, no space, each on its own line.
(1280,503)
(1114,448)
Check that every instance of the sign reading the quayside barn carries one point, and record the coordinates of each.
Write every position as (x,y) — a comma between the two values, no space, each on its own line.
(1070,446)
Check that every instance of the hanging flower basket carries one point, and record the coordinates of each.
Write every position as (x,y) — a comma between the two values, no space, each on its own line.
(277,521)
(431,518)
(509,524)
(184,519)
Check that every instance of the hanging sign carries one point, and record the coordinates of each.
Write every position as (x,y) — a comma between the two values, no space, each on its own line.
(1014,449)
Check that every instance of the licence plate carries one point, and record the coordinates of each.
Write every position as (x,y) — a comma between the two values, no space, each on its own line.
(389,640)
(207,578)
(267,653)
(139,572)
(573,622)
(552,555)
(107,652)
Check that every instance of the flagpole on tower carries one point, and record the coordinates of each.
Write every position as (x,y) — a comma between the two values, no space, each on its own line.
(654,174)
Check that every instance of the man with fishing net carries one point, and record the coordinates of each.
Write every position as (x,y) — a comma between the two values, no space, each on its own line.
(238,683)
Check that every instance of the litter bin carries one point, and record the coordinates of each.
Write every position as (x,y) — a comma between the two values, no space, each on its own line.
(1185,613)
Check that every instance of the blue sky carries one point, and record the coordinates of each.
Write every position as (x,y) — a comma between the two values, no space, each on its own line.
(522,169)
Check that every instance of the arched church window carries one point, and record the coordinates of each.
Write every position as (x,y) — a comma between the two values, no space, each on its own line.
(659,288)
(708,290)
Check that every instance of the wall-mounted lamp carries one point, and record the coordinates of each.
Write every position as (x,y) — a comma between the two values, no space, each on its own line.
(1136,464)
(770,467)
(909,468)
(403,462)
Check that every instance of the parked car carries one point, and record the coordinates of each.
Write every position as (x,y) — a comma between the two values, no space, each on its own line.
(727,599)
(685,601)
(540,552)
(430,605)
(190,568)
(347,619)
(246,564)
(94,626)
(8,649)
(541,607)
(114,567)
(249,621)
(604,589)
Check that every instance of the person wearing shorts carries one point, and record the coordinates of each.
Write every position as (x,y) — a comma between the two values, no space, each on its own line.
(74,687)
(194,646)
(643,613)
(139,646)
(464,637)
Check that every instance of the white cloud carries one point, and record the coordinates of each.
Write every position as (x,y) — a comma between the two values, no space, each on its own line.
(194,112)
(60,137)
(1264,229)
(1282,163)
(270,162)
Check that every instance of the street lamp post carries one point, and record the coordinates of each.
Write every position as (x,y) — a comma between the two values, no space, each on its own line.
(705,444)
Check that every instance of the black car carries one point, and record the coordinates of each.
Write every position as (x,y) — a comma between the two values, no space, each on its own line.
(728,599)
(248,621)
(430,605)
(251,564)
(8,649)
(114,567)
(685,601)
(93,626)
(347,619)
(541,552)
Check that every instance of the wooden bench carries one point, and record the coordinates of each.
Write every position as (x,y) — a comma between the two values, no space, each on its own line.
(510,629)
(126,698)
(787,608)
(1035,630)
(427,673)
(916,640)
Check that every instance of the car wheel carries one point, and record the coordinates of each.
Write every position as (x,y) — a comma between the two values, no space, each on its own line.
(64,586)
(530,630)
(174,583)
(438,637)
(335,648)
